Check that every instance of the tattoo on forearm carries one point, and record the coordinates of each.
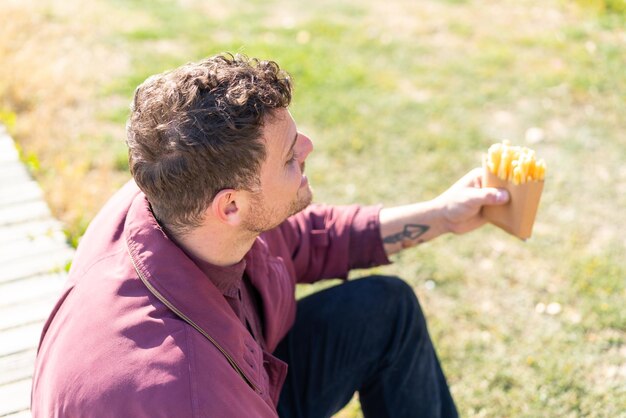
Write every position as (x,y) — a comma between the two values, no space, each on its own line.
(408,236)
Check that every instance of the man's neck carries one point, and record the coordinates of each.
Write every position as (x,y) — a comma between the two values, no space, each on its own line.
(215,245)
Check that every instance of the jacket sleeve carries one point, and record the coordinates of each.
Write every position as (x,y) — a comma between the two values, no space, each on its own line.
(328,241)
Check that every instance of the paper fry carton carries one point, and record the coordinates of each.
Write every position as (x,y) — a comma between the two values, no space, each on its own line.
(518,215)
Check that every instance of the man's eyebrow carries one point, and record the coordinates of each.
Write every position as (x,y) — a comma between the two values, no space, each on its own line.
(293,144)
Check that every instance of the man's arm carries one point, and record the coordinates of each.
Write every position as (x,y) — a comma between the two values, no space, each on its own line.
(456,210)
(326,241)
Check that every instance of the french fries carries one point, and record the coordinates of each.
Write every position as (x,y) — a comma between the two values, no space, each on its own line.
(516,164)
(517,170)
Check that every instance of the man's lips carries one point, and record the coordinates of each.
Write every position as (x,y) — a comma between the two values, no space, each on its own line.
(304,179)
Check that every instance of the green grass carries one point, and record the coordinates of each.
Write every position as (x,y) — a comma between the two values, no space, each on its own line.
(401,99)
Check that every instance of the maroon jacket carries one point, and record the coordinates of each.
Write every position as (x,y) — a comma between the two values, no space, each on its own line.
(140,331)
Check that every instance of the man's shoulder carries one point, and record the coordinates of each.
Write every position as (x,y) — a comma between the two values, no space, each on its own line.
(105,233)
(152,366)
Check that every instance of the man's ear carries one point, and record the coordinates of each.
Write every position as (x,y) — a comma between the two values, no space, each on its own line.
(224,207)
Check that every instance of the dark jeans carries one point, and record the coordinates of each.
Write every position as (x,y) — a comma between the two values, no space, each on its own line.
(367,335)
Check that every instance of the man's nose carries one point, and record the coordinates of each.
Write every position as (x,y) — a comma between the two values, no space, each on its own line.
(306,146)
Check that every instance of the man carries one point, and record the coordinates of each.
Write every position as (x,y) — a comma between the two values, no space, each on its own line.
(180,301)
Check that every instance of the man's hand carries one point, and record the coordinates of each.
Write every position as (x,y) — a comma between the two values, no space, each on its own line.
(462,202)
(456,210)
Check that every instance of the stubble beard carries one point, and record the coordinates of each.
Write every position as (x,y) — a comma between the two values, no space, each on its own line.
(266,217)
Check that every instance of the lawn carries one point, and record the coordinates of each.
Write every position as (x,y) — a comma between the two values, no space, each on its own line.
(401,99)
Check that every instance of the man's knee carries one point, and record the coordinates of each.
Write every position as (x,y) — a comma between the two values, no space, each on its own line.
(392,287)
(395,294)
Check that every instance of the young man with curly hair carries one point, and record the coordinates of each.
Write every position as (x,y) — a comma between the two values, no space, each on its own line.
(180,301)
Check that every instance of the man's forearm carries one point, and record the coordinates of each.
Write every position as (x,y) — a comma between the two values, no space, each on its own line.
(457,210)
(406,226)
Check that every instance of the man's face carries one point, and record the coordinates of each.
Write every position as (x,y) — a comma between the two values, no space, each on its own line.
(284,189)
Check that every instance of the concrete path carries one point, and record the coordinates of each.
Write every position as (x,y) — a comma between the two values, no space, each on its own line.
(33,257)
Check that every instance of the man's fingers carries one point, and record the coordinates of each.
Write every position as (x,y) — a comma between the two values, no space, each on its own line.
(496,196)
(490,196)
(471,179)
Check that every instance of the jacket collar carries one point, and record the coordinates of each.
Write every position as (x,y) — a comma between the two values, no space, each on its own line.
(177,281)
